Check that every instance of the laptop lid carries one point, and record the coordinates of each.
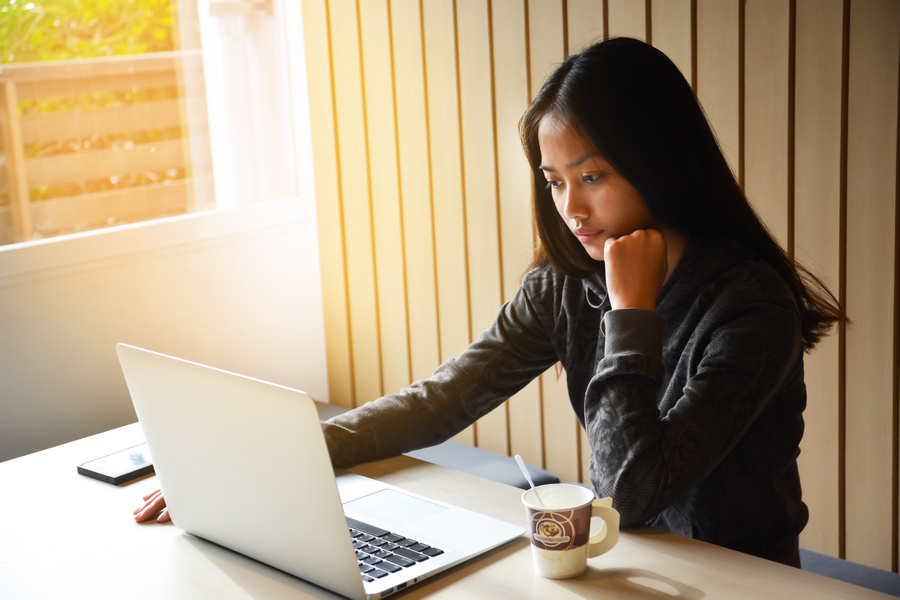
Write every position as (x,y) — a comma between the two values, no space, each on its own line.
(243,463)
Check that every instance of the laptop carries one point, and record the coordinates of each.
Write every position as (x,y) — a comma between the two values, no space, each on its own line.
(243,463)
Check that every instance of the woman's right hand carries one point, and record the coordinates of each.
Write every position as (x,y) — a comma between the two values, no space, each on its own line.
(154,508)
(636,268)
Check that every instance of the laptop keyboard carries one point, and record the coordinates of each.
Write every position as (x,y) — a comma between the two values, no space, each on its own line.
(380,552)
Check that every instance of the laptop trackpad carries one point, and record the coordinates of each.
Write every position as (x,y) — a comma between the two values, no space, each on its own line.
(390,506)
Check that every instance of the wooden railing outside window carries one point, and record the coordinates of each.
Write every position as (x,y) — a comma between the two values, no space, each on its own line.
(98,142)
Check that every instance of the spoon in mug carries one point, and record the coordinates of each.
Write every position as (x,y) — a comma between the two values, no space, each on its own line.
(527,475)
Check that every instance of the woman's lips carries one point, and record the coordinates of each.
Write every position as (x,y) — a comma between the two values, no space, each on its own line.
(586,235)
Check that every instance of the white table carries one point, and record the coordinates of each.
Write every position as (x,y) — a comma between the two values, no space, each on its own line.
(66,536)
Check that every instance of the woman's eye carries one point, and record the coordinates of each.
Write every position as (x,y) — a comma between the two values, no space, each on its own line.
(553,185)
(591,178)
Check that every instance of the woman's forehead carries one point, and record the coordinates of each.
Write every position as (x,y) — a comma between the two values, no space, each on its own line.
(557,135)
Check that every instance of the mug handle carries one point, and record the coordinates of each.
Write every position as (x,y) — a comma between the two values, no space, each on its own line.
(606,538)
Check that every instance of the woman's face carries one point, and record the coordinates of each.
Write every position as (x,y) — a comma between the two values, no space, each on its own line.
(595,202)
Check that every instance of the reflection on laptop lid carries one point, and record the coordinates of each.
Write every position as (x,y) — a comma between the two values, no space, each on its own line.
(243,463)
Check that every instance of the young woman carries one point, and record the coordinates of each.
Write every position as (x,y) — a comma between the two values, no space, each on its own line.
(680,322)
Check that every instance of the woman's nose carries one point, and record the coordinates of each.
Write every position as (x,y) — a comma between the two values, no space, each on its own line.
(574,206)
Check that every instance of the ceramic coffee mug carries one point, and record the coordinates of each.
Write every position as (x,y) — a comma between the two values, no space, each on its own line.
(559,525)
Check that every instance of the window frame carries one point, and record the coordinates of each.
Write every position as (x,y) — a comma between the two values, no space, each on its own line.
(273,135)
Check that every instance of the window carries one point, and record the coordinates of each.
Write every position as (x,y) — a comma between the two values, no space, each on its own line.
(105,112)
(104,117)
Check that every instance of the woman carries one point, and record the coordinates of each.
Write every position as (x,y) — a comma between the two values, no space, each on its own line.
(680,322)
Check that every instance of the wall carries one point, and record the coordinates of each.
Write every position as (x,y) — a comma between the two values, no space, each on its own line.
(424,215)
(237,289)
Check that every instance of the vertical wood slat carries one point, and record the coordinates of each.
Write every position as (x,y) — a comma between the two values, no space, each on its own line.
(328,209)
(627,18)
(446,168)
(388,250)
(354,166)
(585,23)
(15,163)
(817,234)
(671,27)
(872,146)
(718,70)
(895,441)
(512,95)
(532,33)
(482,207)
(415,185)
(766,101)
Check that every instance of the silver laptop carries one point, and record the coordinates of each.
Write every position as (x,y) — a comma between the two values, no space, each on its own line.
(243,463)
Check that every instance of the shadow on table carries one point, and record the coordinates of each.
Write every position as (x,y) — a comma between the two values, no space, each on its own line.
(633,583)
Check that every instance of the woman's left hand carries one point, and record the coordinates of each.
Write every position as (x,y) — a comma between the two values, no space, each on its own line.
(636,268)
(154,507)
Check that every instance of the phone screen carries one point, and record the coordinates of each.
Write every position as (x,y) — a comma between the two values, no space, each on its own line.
(120,466)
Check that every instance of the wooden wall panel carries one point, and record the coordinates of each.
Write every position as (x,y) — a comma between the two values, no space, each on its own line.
(355,199)
(671,32)
(585,23)
(766,90)
(817,244)
(627,18)
(480,191)
(390,279)
(415,187)
(871,152)
(328,201)
(512,94)
(451,256)
(718,72)
(546,41)
(424,211)
(511,97)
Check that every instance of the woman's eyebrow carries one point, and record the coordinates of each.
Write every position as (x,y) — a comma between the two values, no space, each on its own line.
(575,163)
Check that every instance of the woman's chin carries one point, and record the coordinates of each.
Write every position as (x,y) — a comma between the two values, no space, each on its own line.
(594,252)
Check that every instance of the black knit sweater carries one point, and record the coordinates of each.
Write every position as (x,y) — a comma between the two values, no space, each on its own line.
(693,412)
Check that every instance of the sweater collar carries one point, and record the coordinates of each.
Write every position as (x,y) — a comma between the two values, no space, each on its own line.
(701,262)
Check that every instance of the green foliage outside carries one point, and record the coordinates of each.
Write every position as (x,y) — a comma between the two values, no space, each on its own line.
(43,30)
(53,30)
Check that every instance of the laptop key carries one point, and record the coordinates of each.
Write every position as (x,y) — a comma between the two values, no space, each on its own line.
(407,553)
(391,567)
(370,529)
(433,551)
(399,560)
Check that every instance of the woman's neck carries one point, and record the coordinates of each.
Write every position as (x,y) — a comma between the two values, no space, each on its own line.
(676,243)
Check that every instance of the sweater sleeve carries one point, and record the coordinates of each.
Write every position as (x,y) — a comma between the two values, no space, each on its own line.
(646,457)
(515,349)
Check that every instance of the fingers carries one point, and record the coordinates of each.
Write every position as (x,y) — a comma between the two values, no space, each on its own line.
(636,268)
(154,507)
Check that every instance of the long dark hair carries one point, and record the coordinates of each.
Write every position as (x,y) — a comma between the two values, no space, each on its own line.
(634,105)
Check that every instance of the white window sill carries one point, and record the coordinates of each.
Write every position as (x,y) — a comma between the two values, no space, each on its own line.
(92,250)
